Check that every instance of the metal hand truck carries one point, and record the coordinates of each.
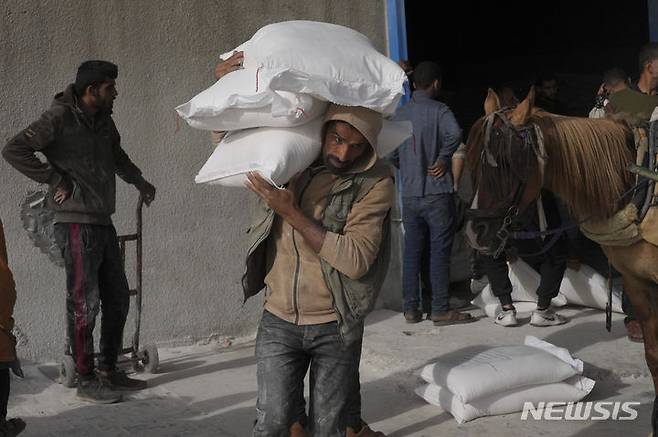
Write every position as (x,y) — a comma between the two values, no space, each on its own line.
(142,360)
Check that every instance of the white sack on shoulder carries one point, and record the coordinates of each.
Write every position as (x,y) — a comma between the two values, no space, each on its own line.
(237,89)
(276,153)
(234,102)
(573,389)
(393,134)
(472,376)
(334,63)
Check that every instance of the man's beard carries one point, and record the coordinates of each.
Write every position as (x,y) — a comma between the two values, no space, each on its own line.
(327,159)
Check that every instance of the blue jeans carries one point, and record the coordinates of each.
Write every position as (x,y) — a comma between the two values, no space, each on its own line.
(285,352)
(427,220)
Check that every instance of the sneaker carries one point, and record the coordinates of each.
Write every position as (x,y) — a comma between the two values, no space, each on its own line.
(506,318)
(546,317)
(413,316)
(11,427)
(97,392)
(477,285)
(118,380)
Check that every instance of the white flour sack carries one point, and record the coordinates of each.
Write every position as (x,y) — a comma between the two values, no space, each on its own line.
(328,61)
(525,281)
(276,153)
(471,376)
(510,401)
(237,102)
(585,287)
(392,135)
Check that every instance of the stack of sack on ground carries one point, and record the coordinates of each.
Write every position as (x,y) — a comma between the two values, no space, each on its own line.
(500,380)
(273,106)
(583,287)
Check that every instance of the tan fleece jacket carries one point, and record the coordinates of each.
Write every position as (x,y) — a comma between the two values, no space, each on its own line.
(296,291)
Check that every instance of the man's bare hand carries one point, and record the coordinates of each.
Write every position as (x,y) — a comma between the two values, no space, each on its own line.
(282,201)
(63,191)
(437,170)
(147,191)
(229,65)
(217,136)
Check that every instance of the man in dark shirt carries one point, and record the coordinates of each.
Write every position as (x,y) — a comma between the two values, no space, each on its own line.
(427,195)
(648,64)
(636,103)
(547,88)
(83,153)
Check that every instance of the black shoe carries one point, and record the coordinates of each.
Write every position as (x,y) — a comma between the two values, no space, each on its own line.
(117,380)
(11,427)
(96,391)
(413,316)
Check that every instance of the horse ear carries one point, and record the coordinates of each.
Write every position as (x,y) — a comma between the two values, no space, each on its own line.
(491,103)
(522,112)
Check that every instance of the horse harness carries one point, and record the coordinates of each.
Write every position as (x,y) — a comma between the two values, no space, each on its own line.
(641,198)
(533,139)
(646,198)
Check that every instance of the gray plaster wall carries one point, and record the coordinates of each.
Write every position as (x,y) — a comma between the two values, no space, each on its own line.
(166,51)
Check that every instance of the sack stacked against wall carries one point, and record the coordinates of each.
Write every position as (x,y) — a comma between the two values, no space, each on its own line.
(500,380)
(272,108)
(582,287)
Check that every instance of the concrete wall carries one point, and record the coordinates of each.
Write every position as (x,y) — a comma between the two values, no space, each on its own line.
(166,51)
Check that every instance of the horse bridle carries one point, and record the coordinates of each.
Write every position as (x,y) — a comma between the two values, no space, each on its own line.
(535,143)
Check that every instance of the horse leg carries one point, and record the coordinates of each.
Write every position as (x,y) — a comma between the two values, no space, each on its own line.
(644,298)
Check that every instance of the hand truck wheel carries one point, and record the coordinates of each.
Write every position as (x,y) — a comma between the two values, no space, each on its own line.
(150,359)
(67,372)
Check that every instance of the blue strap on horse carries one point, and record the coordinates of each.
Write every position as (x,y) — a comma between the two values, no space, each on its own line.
(557,232)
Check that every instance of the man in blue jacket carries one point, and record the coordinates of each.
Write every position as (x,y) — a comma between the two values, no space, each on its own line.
(428,208)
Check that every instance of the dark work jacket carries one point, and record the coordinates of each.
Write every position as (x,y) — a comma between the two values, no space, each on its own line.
(85,150)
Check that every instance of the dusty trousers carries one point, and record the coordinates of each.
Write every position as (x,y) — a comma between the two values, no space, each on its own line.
(95,277)
(285,352)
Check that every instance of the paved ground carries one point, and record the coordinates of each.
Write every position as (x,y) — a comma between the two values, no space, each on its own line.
(209,390)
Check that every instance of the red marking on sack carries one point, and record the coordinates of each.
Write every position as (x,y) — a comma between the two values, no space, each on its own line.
(301,110)
(257,73)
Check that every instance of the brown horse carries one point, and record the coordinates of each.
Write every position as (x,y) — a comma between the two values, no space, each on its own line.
(513,153)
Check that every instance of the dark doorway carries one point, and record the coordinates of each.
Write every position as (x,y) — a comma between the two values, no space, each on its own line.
(486,44)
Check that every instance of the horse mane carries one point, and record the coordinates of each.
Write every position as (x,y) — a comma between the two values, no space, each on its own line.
(587,161)
(474,143)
